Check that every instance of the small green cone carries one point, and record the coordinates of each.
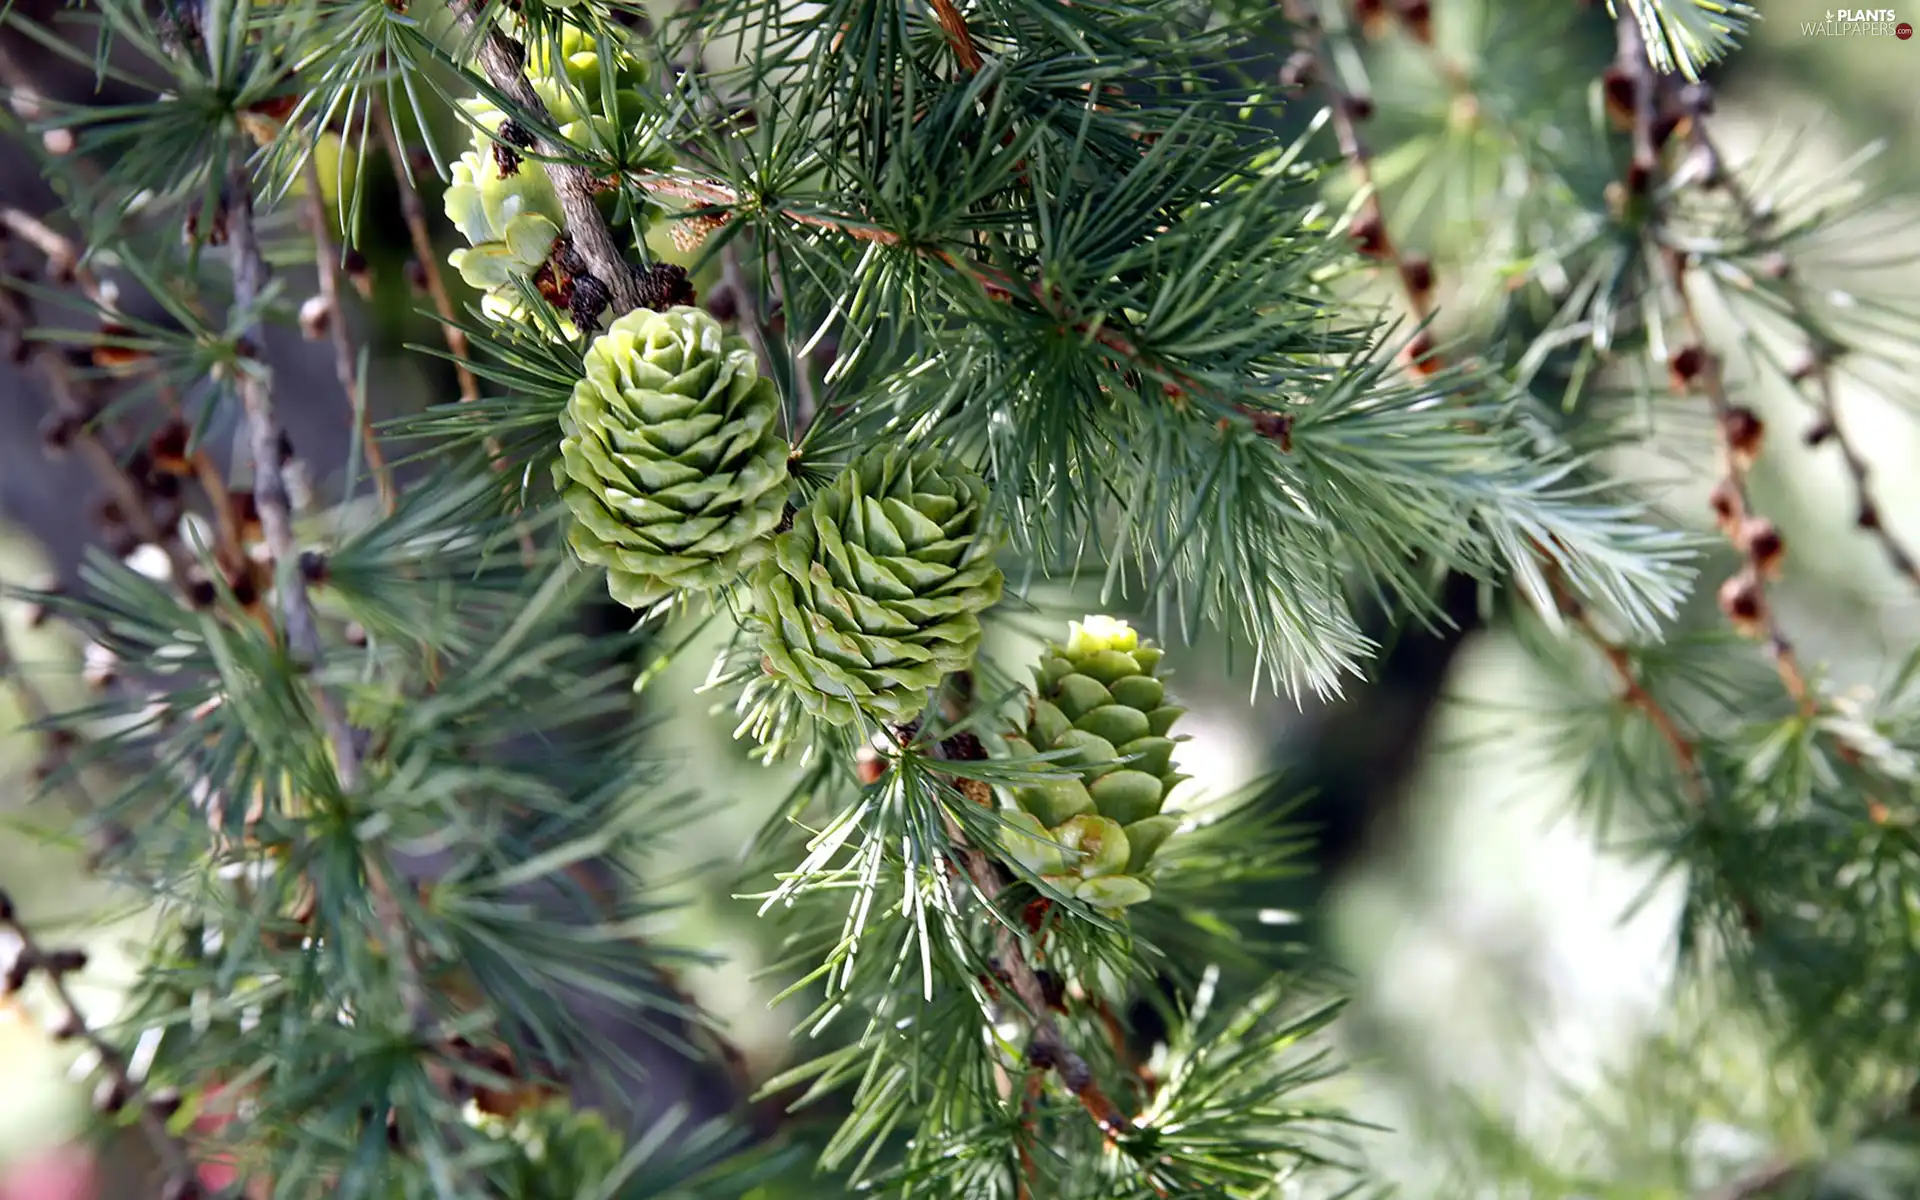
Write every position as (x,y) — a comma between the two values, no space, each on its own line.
(671,461)
(875,594)
(1098,698)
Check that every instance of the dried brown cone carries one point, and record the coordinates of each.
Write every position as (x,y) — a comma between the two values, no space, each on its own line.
(1744,432)
(1762,544)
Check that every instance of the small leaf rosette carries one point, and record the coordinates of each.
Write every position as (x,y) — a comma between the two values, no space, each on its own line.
(1099,700)
(672,462)
(876,591)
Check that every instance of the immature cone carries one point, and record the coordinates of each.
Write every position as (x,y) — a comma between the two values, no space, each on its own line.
(1099,699)
(875,594)
(513,220)
(671,462)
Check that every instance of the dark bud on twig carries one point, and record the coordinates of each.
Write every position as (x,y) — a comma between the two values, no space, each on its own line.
(963,747)
(167,448)
(1417,273)
(1744,432)
(245,589)
(111,1095)
(1371,15)
(1616,84)
(7,911)
(587,300)
(283,448)
(417,276)
(664,285)
(1052,989)
(723,304)
(201,594)
(1744,603)
(1762,544)
(513,138)
(1819,433)
(1419,353)
(245,512)
(1369,233)
(1685,367)
(17,972)
(1041,1055)
(316,317)
(868,767)
(164,1103)
(58,432)
(69,1028)
(313,566)
(1417,16)
(1869,517)
(1299,70)
(1357,108)
(109,356)
(359,274)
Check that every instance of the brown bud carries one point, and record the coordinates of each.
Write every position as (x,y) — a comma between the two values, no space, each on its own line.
(313,566)
(7,911)
(359,274)
(868,767)
(1372,16)
(416,272)
(1417,17)
(1762,544)
(1299,70)
(68,1028)
(1617,85)
(1743,431)
(109,355)
(1685,366)
(59,430)
(17,972)
(1744,603)
(201,594)
(164,1103)
(1369,233)
(1419,353)
(316,316)
(168,448)
(245,512)
(1819,433)
(1359,108)
(1869,516)
(111,1095)
(1416,271)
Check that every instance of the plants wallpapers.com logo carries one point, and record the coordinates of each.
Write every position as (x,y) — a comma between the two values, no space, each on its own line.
(1858,22)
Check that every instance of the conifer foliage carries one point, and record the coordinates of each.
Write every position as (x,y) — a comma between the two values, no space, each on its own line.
(837,328)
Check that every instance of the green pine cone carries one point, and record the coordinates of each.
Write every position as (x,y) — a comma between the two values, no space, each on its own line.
(512,221)
(1098,697)
(671,459)
(875,594)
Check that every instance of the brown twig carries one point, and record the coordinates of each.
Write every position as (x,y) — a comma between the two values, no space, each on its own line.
(1312,65)
(420,233)
(1816,372)
(1048,1050)
(1695,368)
(954,24)
(118,1088)
(345,361)
(501,60)
(1633,693)
(250,274)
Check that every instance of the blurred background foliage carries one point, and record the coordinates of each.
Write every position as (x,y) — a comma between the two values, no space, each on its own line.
(1515,1006)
